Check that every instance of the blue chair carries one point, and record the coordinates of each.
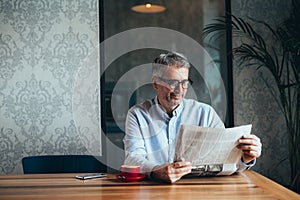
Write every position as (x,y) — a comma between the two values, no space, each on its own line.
(48,164)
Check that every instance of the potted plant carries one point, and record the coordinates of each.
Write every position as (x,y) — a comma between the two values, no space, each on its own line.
(282,58)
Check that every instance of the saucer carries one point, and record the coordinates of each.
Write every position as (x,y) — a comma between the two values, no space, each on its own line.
(130,179)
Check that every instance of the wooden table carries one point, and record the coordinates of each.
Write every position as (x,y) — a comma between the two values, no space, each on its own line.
(246,185)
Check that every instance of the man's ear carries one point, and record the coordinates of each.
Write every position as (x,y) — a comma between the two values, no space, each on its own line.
(154,83)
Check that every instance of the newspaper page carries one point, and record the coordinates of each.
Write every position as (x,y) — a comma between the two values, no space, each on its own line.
(212,151)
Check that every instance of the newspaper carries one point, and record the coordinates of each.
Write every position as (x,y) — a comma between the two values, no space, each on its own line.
(212,151)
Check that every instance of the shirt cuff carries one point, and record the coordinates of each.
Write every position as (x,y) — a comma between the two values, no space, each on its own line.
(241,166)
(147,169)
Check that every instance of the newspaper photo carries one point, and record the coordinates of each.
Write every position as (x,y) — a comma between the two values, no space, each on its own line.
(212,151)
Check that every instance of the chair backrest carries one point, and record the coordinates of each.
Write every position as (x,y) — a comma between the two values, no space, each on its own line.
(62,164)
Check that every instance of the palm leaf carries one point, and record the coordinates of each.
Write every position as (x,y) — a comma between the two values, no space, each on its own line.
(218,28)
(239,27)
(242,26)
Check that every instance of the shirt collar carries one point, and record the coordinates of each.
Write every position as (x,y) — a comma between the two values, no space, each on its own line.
(178,110)
(175,112)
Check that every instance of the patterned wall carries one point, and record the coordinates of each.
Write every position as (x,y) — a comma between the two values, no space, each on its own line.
(42,44)
(253,101)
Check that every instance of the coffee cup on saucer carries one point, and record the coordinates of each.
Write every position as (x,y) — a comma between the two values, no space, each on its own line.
(130,173)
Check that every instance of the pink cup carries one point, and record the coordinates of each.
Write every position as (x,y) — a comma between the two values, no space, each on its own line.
(130,171)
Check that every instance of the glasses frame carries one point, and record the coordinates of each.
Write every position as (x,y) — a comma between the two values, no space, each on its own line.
(175,83)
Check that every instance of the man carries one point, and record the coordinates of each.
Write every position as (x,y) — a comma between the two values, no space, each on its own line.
(152,126)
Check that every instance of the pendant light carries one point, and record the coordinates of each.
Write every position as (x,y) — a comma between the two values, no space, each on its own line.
(148,6)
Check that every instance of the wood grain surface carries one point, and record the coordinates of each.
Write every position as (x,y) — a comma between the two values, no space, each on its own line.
(246,185)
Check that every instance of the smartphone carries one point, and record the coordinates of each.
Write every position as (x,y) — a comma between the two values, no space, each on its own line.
(90,176)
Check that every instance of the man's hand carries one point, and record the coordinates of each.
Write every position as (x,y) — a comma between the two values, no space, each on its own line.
(171,172)
(251,147)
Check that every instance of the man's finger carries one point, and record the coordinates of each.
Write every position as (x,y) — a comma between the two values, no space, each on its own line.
(181,164)
(251,136)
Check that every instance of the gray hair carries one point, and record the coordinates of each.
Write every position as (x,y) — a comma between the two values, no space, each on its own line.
(167,60)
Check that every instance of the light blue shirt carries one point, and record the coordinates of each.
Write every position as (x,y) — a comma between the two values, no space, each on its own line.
(150,134)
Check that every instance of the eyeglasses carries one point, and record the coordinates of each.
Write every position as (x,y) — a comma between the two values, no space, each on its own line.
(174,83)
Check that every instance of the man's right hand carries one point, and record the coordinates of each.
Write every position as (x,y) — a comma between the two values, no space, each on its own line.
(171,172)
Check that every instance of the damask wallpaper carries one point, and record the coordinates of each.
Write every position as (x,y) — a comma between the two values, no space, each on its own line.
(254,102)
(42,45)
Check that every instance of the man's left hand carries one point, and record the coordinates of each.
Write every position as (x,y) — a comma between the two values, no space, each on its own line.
(251,147)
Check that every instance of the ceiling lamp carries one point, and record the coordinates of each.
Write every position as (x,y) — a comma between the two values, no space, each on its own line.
(150,6)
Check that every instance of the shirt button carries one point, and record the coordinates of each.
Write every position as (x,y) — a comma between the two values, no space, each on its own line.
(171,141)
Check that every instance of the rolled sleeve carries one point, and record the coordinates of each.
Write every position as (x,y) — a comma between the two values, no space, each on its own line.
(134,144)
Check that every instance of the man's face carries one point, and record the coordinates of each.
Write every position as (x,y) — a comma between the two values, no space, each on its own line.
(170,98)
